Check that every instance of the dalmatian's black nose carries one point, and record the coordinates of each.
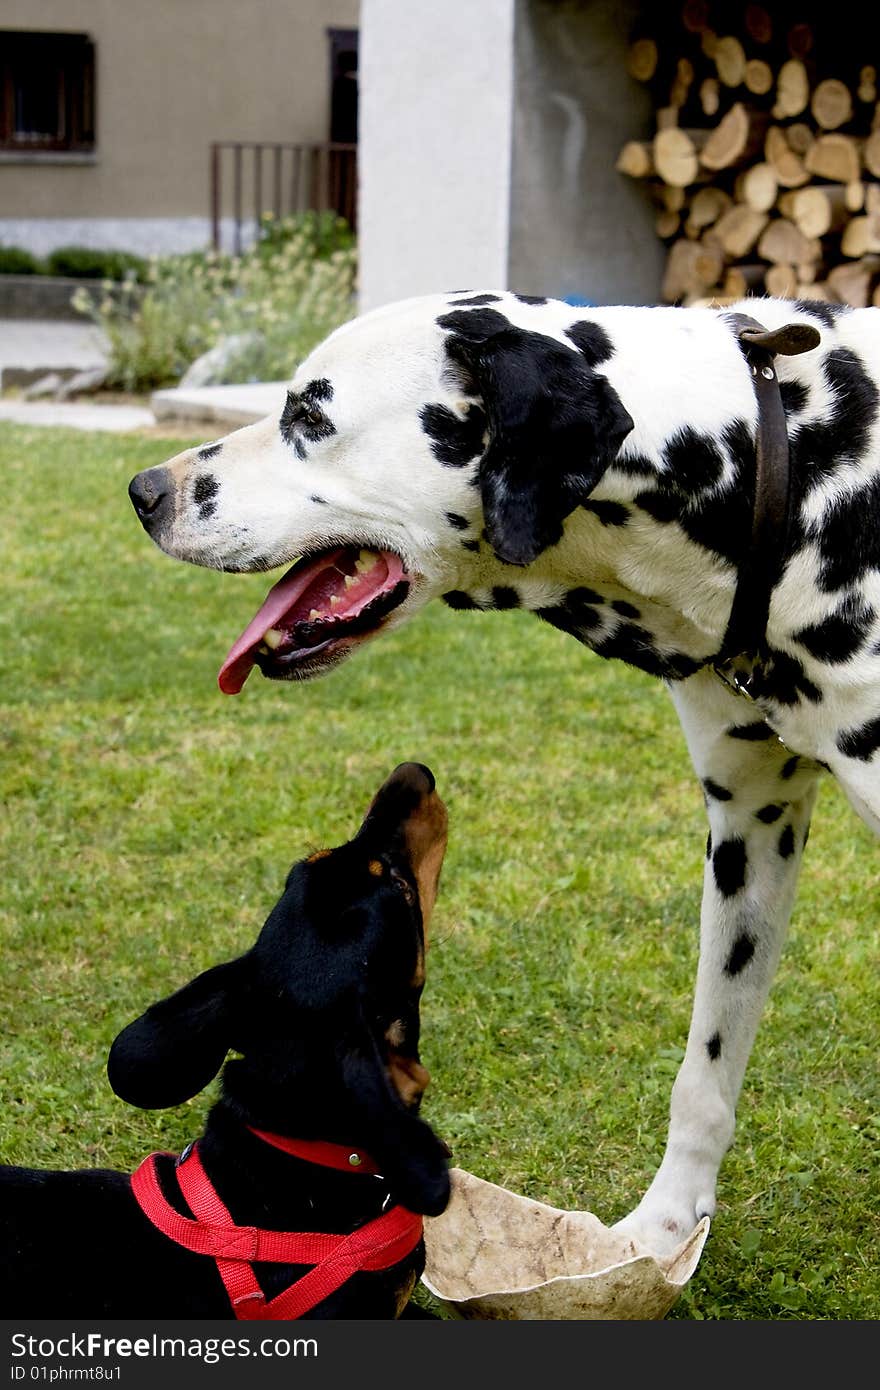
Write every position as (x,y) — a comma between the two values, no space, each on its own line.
(152,496)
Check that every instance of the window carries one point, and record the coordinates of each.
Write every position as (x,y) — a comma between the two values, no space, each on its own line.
(47,92)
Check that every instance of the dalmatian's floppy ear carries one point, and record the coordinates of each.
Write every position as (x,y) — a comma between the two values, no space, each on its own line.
(555,425)
(174,1049)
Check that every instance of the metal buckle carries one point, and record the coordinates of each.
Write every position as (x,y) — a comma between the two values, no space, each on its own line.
(739,681)
(742,683)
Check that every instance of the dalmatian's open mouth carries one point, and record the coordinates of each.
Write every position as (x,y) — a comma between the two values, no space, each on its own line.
(321,606)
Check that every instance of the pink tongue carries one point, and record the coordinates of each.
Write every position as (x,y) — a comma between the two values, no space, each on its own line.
(280,601)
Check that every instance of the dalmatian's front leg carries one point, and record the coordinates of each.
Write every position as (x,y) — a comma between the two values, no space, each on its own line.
(759,797)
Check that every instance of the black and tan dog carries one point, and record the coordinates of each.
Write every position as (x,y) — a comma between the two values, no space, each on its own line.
(316,1131)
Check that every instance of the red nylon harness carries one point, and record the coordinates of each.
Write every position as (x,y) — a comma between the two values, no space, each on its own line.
(335,1258)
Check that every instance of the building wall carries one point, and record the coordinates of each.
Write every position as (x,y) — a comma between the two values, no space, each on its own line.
(578,229)
(489,135)
(173,75)
(436,85)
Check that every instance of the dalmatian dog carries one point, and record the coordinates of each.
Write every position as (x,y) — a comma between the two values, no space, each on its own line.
(597,467)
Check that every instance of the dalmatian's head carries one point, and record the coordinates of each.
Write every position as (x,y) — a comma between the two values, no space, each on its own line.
(412,439)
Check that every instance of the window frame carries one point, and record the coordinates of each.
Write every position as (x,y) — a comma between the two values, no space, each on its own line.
(74,58)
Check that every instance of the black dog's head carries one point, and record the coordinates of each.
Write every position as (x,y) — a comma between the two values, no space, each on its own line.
(324,1008)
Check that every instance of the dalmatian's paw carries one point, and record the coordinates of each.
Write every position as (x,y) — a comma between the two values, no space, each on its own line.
(660,1224)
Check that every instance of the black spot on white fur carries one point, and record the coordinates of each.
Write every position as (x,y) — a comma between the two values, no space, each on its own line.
(751,733)
(848,536)
(825,313)
(205,490)
(729,866)
(209,451)
(741,953)
(477,299)
(786,842)
(591,341)
(505,597)
(626,610)
(860,743)
(794,397)
(717,792)
(454,441)
(713,1047)
(688,490)
(456,598)
(782,678)
(839,636)
(578,614)
(609,513)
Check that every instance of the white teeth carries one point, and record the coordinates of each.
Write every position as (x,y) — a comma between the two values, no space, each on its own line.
(273,638)
(335,600)
(366,560)
(350,581)
(314,613)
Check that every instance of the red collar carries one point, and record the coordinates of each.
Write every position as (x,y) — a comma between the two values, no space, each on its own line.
(335,1258)
(340,1156)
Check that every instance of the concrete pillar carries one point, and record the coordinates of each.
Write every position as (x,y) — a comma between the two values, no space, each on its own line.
(578,229)
(436,109)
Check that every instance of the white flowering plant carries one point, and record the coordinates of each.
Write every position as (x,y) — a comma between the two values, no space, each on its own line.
(282,296)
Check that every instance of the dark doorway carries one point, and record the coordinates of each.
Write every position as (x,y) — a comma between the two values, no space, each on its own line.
(343,86)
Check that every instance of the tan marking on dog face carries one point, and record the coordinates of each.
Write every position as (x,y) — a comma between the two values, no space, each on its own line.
(318,854)
(376,868)
(409,1078)
(426,833)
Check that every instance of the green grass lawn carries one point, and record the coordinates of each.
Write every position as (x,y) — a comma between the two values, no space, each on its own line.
(148,823)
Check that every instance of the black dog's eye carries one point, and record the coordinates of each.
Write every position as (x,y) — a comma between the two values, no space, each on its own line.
(403,886)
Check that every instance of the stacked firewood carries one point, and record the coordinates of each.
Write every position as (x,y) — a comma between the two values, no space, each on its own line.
(765,165)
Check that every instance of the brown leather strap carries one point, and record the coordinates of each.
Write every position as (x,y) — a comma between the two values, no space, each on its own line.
(762,566)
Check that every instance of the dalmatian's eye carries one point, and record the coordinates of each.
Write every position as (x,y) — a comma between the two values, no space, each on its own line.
(298,412)
(306,415)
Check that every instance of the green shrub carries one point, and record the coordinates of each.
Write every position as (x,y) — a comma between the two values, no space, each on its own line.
(318,233)
(87,263)
(286,294)
(16,261)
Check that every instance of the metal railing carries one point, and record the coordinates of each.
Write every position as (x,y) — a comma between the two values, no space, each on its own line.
(251,178)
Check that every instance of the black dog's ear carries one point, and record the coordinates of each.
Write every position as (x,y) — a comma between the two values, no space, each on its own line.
(555,425)
(174,1049)
(409,1154)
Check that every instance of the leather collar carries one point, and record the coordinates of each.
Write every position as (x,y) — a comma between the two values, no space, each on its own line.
(764,562)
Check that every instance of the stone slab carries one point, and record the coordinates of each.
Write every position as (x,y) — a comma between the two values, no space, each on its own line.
(31,348)
(114,418)
(221,405)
